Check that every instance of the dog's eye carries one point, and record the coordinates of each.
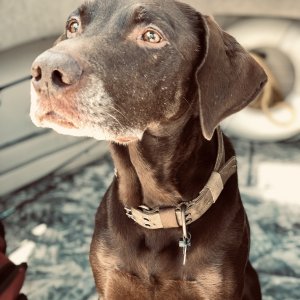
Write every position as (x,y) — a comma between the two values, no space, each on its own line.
(151,36)
(73,26)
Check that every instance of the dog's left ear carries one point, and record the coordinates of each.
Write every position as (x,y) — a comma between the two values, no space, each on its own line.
(228,78)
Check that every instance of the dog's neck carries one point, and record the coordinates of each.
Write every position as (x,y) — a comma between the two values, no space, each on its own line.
(168,166)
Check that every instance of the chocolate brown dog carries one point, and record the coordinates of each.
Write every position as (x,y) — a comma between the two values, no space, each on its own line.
(155,78)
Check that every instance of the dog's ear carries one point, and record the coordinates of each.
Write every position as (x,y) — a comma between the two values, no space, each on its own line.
(228,78)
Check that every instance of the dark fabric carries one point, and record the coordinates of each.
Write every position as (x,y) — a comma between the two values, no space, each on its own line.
(2,239)
(11,276)
(2,231)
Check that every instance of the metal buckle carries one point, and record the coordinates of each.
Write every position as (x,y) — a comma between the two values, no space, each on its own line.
(185,242)
(144,208)
(144,213)
(128,213)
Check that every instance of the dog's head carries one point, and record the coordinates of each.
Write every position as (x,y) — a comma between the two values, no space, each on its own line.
(122,66)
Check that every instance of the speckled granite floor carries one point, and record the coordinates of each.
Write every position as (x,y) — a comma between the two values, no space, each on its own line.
(58,264)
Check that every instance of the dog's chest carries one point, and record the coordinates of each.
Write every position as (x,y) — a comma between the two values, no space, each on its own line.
(121,285)
(125,278)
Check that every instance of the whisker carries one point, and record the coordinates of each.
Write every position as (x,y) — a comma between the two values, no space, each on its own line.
(117,110)
(113,117)
(123,127)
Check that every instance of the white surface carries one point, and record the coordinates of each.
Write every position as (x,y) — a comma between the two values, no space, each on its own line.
(27,20)
(85,152)
(287,8)
(23,253)
(15,101)
(37,147)
(264,33)
(279,182)
(39,230)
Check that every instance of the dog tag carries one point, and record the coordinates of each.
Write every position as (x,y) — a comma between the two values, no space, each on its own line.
(185,242)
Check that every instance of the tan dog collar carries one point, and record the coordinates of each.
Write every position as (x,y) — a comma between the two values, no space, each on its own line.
(171,217)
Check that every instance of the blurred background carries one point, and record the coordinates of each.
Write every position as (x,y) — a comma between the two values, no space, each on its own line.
(51,185)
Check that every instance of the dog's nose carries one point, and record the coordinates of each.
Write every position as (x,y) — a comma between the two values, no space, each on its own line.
(55,72)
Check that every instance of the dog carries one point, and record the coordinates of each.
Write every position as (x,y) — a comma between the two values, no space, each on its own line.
(155,79)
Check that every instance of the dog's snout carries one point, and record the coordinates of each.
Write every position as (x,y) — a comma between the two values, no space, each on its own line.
(55,71)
